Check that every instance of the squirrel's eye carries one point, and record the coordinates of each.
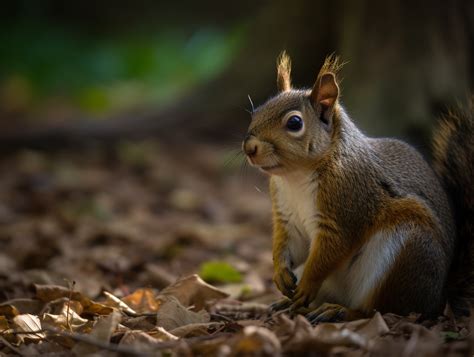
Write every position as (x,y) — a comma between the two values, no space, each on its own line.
(294,123)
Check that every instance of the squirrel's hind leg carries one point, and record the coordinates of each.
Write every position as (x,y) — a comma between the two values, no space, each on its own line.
(416,281)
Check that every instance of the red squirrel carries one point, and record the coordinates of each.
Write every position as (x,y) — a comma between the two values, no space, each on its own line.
(362,224)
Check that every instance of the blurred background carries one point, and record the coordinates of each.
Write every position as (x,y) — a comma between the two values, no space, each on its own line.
(120,123)
(114,69)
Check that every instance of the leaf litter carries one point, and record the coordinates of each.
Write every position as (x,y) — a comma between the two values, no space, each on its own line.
(132,232)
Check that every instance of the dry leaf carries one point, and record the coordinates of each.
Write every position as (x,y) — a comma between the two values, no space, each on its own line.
(369,328)
(333,335)
(196,329)
(47,293)
(255,341)
(193,291)
(29,323)
(173,314)
(8,310)
(67,319)
(102,331)
(140,323)
(139,339)
(105,326)
(4,324)
(161,334)
(25,306)
(116,302)
(142,300)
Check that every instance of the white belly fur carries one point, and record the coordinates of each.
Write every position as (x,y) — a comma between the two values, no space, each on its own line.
(350,285)
(296,199)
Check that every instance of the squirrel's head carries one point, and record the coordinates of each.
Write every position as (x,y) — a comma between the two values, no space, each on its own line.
(294,129)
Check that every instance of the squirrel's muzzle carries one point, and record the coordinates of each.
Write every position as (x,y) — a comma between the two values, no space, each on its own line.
(250,146)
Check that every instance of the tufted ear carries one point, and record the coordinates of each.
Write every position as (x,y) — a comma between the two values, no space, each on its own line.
(325,91)
(283,72)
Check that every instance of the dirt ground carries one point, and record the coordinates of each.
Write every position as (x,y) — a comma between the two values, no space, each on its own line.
(99,247)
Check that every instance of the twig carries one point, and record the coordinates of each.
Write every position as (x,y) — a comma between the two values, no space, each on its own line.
(94,342)
(10,346)
(71,290)
(221,317)
(127,350)
(27,332)
(117,348)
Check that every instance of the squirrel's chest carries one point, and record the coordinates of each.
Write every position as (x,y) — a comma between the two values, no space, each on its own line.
(297,204)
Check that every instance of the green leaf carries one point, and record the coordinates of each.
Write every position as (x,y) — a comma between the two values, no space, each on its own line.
(450,335)
(219,272)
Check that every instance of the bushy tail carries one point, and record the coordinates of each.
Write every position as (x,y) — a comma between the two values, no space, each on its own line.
(453,151)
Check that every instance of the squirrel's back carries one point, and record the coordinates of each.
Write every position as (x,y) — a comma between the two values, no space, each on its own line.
(409,174)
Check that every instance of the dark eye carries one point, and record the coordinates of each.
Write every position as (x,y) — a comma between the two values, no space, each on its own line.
(294,123)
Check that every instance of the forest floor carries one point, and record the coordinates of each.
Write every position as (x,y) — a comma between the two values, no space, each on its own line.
(100,247)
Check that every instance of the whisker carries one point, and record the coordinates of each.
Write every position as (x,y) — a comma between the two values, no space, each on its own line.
(237,154)
(251,104)
(243,170)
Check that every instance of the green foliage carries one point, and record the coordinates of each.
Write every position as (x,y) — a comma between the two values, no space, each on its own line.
(219,272)
(450,335)
(104,74)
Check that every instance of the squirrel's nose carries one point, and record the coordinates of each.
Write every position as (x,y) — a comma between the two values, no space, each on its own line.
(250,146)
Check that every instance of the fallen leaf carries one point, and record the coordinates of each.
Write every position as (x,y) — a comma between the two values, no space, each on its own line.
(450,335)
(25,306)
(114,301)
(367,328)
(195,329)
(4,324)
(254,340)
(140,323)
(102,331)
(219,272)
(67,319)
(139,339)
(8,310)
(142,300)
(47,293)
(333,335)
(193,291)
(105,326)
(161,334)
(29,323)
(173,314)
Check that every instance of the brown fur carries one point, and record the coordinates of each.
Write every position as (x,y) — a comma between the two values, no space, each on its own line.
(364,186)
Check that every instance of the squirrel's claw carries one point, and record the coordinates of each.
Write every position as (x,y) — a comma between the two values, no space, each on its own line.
(333,313)
(327,313)
(279,305)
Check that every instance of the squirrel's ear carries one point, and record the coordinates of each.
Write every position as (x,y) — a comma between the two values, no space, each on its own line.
(284,72)
(325,91)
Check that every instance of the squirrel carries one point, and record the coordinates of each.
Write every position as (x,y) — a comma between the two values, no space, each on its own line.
(363,224)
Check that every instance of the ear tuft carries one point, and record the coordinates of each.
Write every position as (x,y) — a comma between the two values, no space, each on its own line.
(331,64)
(283,72)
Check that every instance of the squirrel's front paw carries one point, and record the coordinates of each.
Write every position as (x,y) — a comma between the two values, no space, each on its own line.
(285,281)
(304,295)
